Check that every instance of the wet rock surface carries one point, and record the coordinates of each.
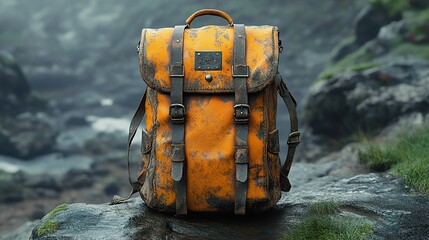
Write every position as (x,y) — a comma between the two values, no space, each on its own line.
(382,199)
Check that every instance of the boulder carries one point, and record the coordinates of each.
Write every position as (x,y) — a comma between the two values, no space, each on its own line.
(369,100)
(394,211)
(24,132)
(15,89)
(23,232)
(28,135)
(369,22)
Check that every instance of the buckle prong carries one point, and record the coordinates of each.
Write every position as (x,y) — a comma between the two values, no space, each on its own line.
(241,113)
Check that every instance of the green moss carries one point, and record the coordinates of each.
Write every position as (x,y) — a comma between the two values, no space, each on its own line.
(359,60)
(407,157)
(346,42)
(48,225)
(409,49)
(418,30)
(325,223)
(323,208)
(364,66)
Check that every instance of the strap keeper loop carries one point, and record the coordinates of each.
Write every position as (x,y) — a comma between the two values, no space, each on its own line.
(240,71)
(177,71)
(293,139)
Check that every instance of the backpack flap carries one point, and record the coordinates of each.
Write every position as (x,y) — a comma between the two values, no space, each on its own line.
(208,58)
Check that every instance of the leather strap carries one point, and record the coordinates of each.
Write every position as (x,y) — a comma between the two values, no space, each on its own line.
(293,139)
(240,72)
(134,125)
(177,116)
(213,12)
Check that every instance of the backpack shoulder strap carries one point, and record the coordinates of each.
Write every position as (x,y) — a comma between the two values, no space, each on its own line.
(134,125)
(293,139)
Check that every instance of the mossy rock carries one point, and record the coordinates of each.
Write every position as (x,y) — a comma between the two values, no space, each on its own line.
(48,224)
(360,60)
(406,38)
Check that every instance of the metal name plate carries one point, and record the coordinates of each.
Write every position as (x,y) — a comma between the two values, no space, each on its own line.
(208,61)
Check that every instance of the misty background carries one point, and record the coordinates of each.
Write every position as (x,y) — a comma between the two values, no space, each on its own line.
(70,81)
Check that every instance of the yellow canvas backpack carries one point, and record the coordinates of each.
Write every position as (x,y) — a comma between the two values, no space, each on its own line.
(211,142)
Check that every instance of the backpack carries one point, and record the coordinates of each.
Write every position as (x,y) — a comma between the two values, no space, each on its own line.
(211,143)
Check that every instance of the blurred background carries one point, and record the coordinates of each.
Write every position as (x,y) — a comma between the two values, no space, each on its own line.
(69,83)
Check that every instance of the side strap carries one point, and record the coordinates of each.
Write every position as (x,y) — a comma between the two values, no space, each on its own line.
(293,139)
(134,125)
(177,116)
(240,73)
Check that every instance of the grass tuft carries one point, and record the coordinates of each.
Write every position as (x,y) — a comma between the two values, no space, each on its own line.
(407,157)
(324,208)
(48,225)
(325,223)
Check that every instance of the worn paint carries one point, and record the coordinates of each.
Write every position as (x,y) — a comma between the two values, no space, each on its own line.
(209,126)
(262,59)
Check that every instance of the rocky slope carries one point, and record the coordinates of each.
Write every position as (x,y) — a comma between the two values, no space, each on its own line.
(374,80)
(394,212)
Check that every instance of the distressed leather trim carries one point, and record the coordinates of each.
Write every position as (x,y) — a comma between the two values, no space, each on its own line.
(273,141)
(146,142)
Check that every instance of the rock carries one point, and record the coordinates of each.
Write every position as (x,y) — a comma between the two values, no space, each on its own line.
(368,101)
(411,121)
(112,188)
(15,89)
(383,200)
(78,178)
(369,21)
(44,182)
(23,232)
(74,140)
(345,48)
(38,193)
(419,4)
(27,136)
(11,190)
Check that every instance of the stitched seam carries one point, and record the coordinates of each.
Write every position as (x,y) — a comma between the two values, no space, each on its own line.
(155,161)
(265,155)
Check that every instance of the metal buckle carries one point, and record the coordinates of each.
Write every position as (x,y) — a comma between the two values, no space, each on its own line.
(177,113)
(240,71)
(241,113)
(293,139)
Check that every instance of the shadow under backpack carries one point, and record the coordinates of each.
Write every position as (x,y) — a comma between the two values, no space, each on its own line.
(211,143)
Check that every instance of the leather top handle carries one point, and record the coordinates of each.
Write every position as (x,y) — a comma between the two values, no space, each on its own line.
(213,12)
